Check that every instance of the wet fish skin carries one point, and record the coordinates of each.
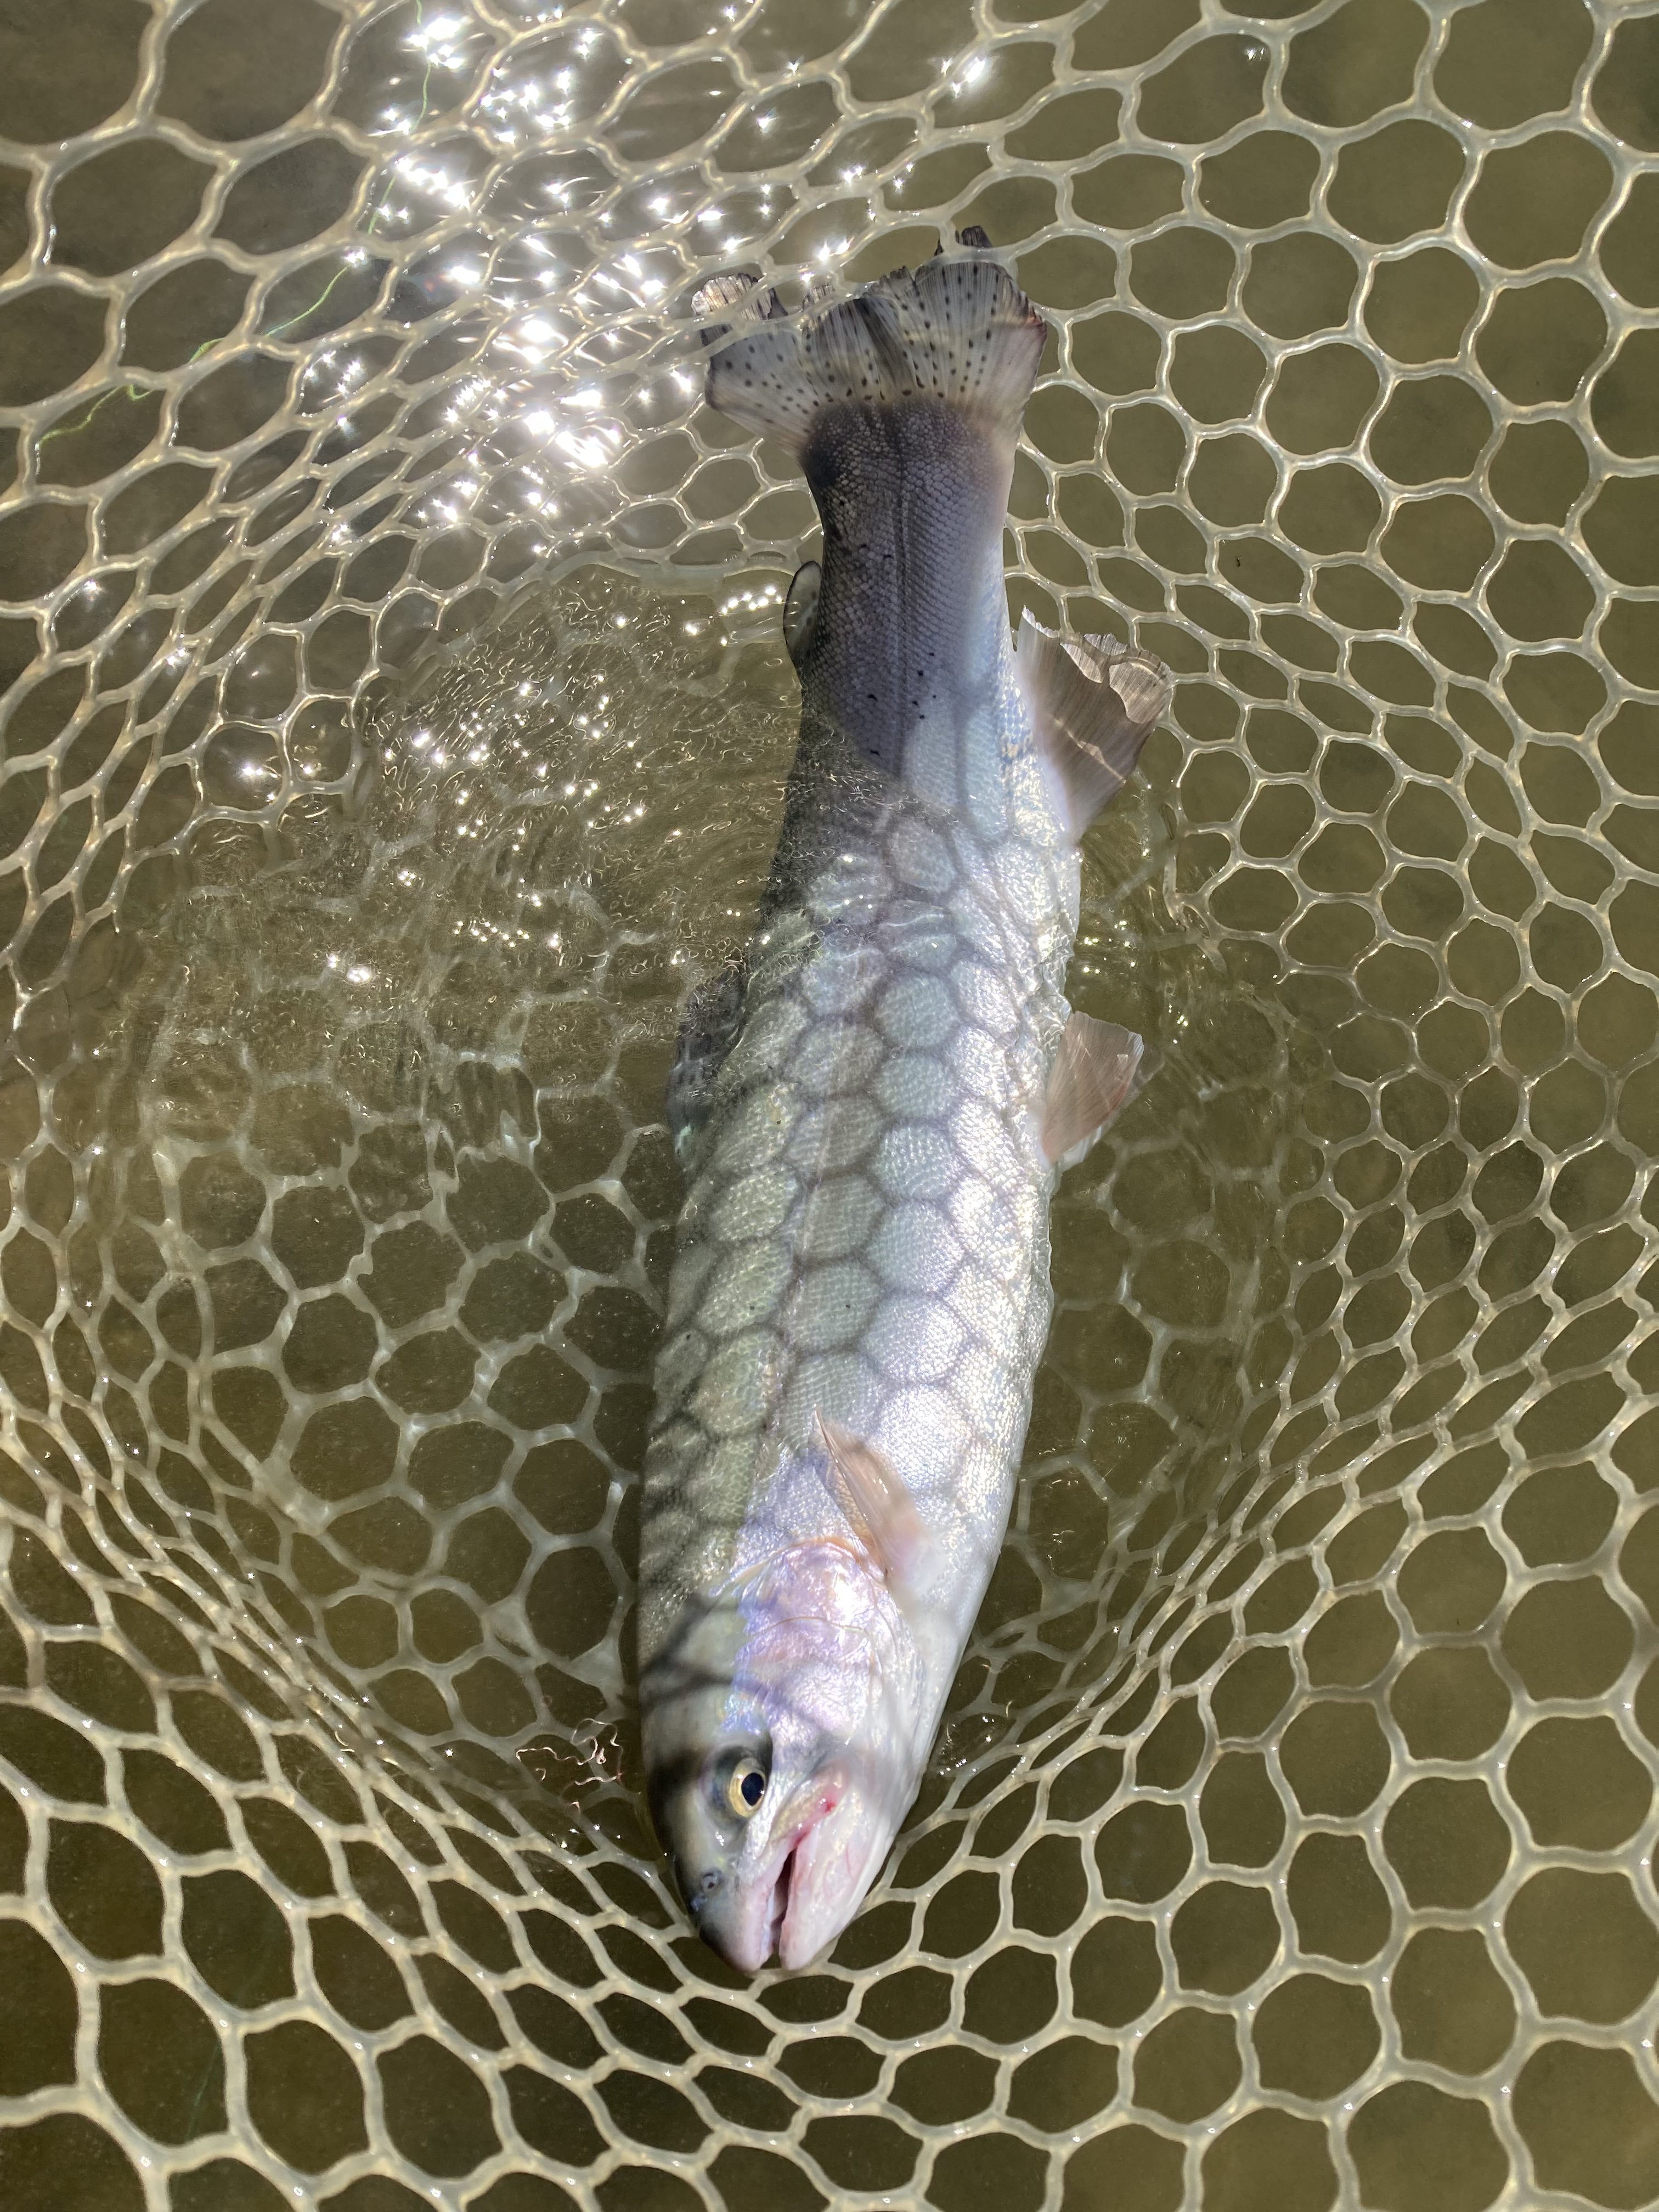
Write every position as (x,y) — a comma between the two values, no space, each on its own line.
(860,1295)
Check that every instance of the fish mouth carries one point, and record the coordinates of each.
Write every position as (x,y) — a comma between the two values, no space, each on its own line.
(778,1912)
(789,1912)
(797,1929)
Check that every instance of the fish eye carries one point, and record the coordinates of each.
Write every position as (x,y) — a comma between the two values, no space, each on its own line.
(744,1788)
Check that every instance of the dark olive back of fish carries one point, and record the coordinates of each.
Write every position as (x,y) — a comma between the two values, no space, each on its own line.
(912,495)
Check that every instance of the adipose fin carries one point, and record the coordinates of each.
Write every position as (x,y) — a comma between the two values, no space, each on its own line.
(800,609)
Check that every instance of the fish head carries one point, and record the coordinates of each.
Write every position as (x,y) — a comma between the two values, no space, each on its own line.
(780,1761)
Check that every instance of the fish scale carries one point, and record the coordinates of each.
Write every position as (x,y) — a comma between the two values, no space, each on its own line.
(867,1109)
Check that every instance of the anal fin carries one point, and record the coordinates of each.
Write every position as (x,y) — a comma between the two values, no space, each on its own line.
(872,1494)
(1093,1075)
(1095,703)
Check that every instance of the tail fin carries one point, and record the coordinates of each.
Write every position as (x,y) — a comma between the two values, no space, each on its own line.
(958,329)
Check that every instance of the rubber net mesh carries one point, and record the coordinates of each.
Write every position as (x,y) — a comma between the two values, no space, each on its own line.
(396,727)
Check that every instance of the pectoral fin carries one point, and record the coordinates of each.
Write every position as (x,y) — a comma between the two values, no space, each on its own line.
(870,1492)
(709,1029)
(1094,1074)
(1094,703)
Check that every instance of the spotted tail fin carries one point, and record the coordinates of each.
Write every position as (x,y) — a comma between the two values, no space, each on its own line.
(956,330)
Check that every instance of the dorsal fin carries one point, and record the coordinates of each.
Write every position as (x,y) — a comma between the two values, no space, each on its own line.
(1093,1075)
(800,609)
(872,1494)
(1095,703)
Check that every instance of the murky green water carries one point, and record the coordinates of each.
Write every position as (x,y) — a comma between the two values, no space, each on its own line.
(397,726)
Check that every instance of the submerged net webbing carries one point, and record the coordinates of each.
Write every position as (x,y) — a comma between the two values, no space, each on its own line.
(396,728)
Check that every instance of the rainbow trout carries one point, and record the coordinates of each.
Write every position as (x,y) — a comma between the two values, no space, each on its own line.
(872,1107)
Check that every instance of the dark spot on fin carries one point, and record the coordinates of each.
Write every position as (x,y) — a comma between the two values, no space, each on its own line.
(976,238)
(1095,703)
(800,610)
(1093,1075)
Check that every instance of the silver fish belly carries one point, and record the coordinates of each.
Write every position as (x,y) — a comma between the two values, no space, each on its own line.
(872,1113)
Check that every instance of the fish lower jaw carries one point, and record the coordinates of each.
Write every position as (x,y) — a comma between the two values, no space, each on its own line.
(796,1933)
(778,1910)
(766,1931)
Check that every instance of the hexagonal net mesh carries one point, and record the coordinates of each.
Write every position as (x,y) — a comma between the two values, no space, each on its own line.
(397,725)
